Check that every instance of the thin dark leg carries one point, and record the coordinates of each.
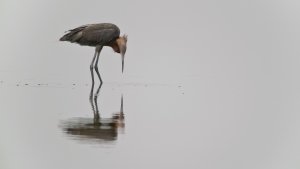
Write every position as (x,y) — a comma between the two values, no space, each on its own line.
(96,64)
(93,82)
(96,112)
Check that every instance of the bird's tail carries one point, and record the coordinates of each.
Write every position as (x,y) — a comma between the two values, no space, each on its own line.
(66,37)
(73,34)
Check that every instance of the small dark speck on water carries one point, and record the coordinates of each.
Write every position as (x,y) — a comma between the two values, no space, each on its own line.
(26,84)
(179,86)
(74,84)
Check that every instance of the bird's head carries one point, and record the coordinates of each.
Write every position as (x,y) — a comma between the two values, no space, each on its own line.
(122,46)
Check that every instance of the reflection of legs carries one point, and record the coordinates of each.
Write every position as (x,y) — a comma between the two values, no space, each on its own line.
(96,103)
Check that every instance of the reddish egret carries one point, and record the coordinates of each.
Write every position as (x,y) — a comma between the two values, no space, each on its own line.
(98,35)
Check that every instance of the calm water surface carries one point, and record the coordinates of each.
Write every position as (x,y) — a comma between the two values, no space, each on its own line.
(191,125)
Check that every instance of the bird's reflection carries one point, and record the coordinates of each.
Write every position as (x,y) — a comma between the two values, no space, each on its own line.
(95,129)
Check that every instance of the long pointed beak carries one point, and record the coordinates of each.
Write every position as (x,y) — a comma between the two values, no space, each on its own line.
(122,63)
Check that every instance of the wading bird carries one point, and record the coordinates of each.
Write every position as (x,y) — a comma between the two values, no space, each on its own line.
(98,35)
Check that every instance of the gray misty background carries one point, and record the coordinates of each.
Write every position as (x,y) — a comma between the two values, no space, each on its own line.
(237,63)
(169,40)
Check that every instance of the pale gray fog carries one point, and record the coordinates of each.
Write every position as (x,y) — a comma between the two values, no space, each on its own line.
(207,84)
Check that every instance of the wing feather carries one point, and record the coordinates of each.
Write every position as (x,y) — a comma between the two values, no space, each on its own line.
(98,36)
(93,34)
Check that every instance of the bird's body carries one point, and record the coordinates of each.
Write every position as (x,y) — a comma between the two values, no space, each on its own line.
(93,34)
(98,35)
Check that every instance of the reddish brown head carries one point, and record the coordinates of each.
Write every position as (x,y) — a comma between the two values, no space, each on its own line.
(120,46)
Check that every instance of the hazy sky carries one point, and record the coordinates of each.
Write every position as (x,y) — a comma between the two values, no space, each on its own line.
(167,39)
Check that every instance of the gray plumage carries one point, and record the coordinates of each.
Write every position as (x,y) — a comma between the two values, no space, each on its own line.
(93,34)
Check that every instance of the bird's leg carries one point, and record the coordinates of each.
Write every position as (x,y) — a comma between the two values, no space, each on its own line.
(98,49)
(92,74)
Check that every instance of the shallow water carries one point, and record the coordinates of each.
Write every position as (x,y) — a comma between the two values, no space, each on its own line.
(189,125)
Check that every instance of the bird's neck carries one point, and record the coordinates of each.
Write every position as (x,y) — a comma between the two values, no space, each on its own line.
(115,46)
